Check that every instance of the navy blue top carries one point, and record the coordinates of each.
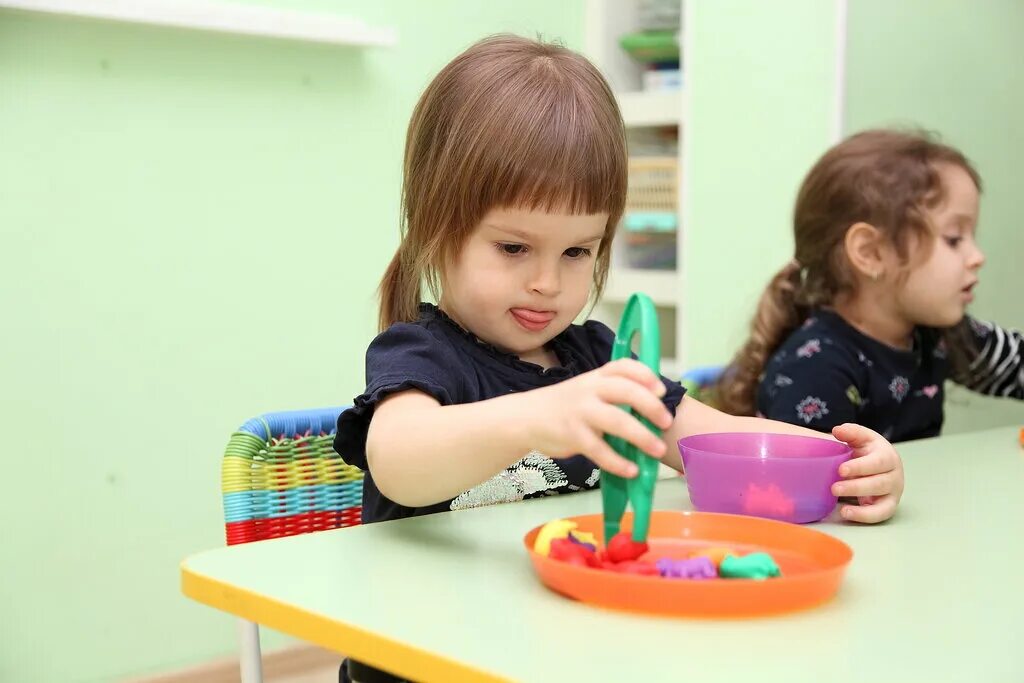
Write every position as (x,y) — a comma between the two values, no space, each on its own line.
(827,373)
(438,357)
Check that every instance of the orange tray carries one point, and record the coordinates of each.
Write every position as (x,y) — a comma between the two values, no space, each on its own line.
(812,564)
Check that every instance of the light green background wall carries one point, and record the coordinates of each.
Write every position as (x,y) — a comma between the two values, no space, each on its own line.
(192,229)
(760,90)
(956,68)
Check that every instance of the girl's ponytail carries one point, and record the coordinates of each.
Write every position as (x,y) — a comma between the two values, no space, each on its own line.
(778,315)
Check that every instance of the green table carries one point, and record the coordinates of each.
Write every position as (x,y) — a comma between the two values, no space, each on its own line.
(934,595)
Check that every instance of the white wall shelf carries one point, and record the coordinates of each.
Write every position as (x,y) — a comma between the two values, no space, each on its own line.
(221,17)
(643,109)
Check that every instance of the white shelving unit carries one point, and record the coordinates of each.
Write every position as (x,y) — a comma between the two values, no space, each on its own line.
(221,17)
(642,111)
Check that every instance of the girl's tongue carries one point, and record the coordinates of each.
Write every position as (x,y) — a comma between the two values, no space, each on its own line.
(532,320)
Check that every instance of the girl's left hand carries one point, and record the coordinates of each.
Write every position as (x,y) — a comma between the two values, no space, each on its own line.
(874,475)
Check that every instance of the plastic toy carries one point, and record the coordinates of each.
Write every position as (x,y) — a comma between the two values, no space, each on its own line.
(622,548)
(639,317)
(781,476)
(752,566)
(693,568)
(769,501)
(566,550)
(813,565)
(556,528)
(583,538)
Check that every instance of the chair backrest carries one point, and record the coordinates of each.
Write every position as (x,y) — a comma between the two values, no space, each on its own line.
(280,476)
(700,382)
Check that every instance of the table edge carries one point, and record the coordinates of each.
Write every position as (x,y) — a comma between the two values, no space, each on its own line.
(366,646)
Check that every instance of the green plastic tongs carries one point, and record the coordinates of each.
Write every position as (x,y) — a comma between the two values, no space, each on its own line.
(640,318)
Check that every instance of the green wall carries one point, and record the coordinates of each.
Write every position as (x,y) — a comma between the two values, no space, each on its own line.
(760,86)
(192,230)
(956,68)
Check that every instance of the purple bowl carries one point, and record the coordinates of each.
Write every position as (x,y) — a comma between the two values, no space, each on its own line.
(765,475)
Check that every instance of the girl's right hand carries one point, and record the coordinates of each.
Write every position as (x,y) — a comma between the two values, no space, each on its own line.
(573,416)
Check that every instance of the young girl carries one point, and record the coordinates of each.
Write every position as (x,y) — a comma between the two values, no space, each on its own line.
(868,321)
(514,182)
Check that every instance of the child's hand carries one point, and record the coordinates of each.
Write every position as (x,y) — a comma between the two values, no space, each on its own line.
(874,475)
(572,417)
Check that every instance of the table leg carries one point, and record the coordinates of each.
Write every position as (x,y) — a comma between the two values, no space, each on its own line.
(250,663)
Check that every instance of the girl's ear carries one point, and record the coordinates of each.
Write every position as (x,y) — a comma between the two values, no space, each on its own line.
(866,249)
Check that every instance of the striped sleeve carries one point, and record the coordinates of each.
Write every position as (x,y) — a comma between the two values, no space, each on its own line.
(998,368)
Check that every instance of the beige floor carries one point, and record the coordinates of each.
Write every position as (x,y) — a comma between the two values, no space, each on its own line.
(323,674)
(295,664)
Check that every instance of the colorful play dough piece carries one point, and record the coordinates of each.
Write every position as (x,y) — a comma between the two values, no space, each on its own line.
(622,548)
(557,528)
(567,550)
(589,546)
(767,502)
(693,568)
(573,559)
(752,566)
(583,538)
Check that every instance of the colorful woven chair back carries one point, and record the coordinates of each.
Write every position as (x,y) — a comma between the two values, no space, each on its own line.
(280,477)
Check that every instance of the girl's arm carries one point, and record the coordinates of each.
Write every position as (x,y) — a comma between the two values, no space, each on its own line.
(694,417)
(420,452)
(998,367)
(874,475)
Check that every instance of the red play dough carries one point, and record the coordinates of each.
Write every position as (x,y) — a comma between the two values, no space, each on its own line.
(622,548)
(620,555)
(565,550)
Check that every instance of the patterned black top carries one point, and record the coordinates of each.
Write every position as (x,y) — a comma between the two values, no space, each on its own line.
(438,357)
(827,373)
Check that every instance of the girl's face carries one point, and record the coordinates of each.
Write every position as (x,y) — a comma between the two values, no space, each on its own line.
(522,277)
(937,290)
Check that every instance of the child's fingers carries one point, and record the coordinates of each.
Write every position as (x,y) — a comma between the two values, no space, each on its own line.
(636,371)
(880,510)
(856,436)
(868,464)
(620,390)
(850,431)
(612,420)
(875,485)
(605,457)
